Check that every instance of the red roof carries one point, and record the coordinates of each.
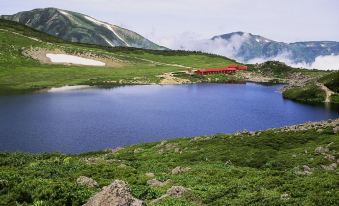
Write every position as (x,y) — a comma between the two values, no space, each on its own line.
(242,67)
(217,69)
(233,66)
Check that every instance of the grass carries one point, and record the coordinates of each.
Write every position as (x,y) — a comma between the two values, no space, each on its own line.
(331,81)
(23,79)
(281,70)
(311,93)
(308,94)
(225,170)
(215,78)
(20,74)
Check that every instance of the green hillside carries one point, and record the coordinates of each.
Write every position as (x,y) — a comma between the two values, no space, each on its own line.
(331,81)
(19,73)
(312,91)
(23,70)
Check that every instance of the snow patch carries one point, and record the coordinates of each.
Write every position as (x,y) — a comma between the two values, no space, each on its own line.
(68,88)
(109,27)
(94,20)
(258,40)
(71,59)
(64,13)
(107,40)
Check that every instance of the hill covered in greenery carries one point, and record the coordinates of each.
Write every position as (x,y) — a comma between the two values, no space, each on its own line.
(25,67)
(316,90)
(24,73)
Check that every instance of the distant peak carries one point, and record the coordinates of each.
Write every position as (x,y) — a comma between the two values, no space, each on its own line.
(229,35)
(254,37)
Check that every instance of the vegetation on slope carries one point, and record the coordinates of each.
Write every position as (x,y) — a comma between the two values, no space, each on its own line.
(281,70)
(312,92)
(331,81)
(290,166)
(19,73)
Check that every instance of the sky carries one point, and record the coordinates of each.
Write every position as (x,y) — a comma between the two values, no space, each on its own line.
(165,22)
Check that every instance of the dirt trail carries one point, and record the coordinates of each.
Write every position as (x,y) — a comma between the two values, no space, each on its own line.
(147,60)
(327,91)
(168,78)
(155,62)
(35,39)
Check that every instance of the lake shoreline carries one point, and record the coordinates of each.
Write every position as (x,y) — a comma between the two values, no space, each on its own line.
(112,85)
(91,114)
(318,126)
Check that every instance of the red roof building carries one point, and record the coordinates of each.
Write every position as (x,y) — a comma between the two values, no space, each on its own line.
(231,69)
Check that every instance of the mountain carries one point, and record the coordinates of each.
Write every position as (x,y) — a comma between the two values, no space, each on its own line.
(252,46)
(76,27)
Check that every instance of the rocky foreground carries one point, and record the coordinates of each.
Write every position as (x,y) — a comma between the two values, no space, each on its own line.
(118,193)
(293,165)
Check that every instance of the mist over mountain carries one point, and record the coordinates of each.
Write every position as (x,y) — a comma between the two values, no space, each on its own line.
(242,46)
(250,48)
(76,27)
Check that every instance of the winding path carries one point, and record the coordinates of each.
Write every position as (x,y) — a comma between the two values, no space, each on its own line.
(327,91)
(32,38)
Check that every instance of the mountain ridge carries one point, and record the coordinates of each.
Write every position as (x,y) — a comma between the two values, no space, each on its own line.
(77,27)
(255,46)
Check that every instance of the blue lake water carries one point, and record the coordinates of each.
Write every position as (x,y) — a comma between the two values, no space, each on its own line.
(94,119)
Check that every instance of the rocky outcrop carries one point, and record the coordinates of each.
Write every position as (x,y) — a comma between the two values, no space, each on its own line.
(306,170)
(318,126)
(113,150)
(116,194)
(174,191)
(150,174)
(321,150)
(336,130)
(87,181)
(330,167)
(179,170)
(157,183)
(165,147)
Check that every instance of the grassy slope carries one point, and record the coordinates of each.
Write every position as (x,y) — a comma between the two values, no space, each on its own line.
(260,169)
(283,71)
(311,92)
(331,81)
(20,74)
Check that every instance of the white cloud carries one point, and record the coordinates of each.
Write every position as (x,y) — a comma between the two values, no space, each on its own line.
(188,41)
(275,19)
(229,48)
(329,62)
